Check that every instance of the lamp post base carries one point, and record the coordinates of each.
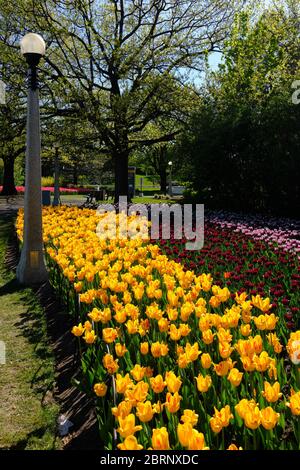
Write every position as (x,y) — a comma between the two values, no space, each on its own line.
(31,269)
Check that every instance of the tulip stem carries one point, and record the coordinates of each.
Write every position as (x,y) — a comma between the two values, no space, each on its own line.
(254,440)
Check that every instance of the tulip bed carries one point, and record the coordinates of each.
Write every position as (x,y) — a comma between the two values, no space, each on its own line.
(243,263)
(173,359)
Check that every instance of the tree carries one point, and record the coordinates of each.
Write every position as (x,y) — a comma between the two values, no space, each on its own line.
(12,129)
(78,146)
(242,146)
(113,62)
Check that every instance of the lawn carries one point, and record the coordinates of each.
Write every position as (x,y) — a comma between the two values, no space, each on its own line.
(28,412)
(80,199)
(147,183)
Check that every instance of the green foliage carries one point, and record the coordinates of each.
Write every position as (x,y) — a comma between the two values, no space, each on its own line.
(47,181)
(242,148)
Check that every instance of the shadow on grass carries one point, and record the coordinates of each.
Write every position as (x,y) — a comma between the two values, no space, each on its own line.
(35,436)
(11,287)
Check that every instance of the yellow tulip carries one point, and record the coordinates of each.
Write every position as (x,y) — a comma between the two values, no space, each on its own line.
(225,350)
(94,315)
(78,330)
(105,315)
(122,383)
(192,352)
(120,349)
(294,403)
(173,402)
(144,411)
(252,418)
(127,426)
(269,418)
(240,298)
(138,393)
(197,442)
(121,316)
(132,326)
(164,349)
(186,310)
(207,336)
(262,361)
(214,301)
(100,389)
(274,341)
(234,447)
(138,372)
(163,325)
(221,419)
(157,384)
(215,425)
(144,348)
(130,443)
(122,410)
(109,335)
(245,330)
(235,377)
(271,392)
(203,383)
(90,337)
(172,313)
(88,326)
(222,368)
(262,304)
(175,333)
(184,329)
(206,361)
(189,416)
(110,364)
(244,406)
(173,382)
(159,349)
(160,439)
(184,433)
(260,322)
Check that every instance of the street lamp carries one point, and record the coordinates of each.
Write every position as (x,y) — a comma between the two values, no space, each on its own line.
(31,268)
(170,178)
(56,196)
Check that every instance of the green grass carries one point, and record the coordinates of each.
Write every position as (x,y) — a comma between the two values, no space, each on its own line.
(146,182)
(142,200)
(151,200)
(28,412)
(71,197)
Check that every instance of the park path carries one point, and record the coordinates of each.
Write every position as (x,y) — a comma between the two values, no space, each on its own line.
(28,412)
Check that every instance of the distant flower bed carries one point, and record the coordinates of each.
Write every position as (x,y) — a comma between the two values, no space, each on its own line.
(279,232)
(62,190)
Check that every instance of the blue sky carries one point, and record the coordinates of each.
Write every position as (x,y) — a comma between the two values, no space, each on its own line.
(214,60)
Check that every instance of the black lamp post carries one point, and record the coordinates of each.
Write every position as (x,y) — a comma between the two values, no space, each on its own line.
(56,196)
(170,178)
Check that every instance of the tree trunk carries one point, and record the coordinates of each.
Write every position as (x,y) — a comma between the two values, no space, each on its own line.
(121,174)
(163,181)
(75,176)
(9,187)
